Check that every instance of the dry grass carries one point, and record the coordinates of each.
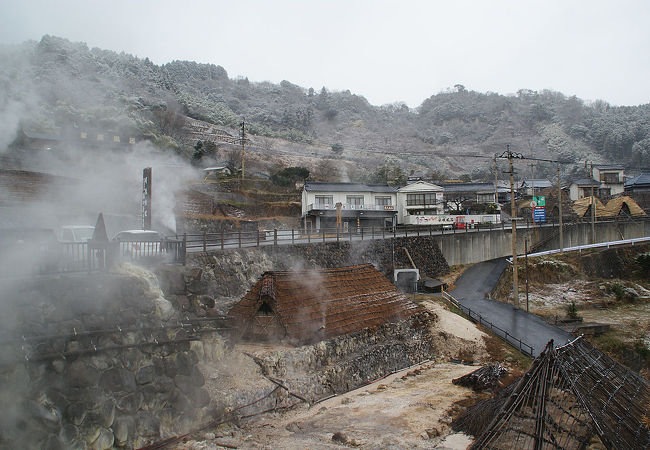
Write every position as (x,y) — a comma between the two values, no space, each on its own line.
(452,276)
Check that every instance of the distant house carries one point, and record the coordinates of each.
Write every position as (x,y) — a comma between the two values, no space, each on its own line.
(639,184)
(639,189)
(34,140)
(216,172)
(312,305)
(360,205)
(534,186)
(419,199)
(469,192)
(611,179)
(581,188)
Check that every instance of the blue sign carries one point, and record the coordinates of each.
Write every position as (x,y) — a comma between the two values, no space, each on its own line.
(539,214)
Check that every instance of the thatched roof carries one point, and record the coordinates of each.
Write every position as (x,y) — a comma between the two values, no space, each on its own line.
(582,205)
(308,306)
(616,205)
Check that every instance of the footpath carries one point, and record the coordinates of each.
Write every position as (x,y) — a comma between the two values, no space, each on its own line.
(471,291)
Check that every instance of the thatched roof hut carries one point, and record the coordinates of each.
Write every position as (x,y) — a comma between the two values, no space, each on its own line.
(624,206)
(582,207)
(312,305)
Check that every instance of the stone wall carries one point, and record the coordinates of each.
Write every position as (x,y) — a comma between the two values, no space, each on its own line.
(97,368)
(350,361)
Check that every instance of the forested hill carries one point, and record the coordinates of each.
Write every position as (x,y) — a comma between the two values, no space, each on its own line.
(54,83)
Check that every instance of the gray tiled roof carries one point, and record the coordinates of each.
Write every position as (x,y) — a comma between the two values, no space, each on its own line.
(643,179)
(609,167)
(586,182)
(314,186)
(467,187)
(537,182)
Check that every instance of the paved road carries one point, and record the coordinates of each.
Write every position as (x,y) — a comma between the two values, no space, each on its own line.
(471,289)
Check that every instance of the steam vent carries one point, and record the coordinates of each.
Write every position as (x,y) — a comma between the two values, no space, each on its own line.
(308,306)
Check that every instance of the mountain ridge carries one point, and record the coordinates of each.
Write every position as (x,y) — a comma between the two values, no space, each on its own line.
(55,82)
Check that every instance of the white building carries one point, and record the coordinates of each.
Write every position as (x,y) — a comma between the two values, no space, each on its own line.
(419,199)
(611,179)
(361,205)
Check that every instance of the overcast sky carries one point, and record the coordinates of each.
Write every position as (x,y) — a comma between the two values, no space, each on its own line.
(387,51)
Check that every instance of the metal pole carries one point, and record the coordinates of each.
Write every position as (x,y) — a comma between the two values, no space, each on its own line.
(513,213)
(593,208)
(526,250)
(559,208)
(496,183)
(243,140)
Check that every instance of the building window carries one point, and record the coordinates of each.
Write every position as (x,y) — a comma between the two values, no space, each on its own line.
(383,201)
(609,177)
(324,200)
(355,200)
(485,198)
(605,192)
(421,199)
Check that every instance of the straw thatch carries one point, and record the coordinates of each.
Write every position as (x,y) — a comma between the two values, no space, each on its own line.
(624,206)
(307,306)
(583,205)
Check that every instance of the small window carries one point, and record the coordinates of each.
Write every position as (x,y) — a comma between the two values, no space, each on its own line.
(355,200)
(100,137)
(383,201)
(116,139)
(324,200)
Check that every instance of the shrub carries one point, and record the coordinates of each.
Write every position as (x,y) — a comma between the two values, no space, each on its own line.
(572,311)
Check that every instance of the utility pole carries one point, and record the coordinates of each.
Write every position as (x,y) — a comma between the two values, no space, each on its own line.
(590,175)
(513,212)
(532,178)
(532,187)
(559,207)
(243,140)
(496,183)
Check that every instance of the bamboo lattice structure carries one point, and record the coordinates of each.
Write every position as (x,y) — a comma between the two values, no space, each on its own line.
(569,394)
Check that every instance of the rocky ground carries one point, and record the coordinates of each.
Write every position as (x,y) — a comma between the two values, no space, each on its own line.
(408,409)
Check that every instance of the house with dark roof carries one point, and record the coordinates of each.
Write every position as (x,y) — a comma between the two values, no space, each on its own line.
(313,305)
(358,205)
(469,192)
(639,189)
(581,188)
(533,186)
(638,184)
(611,178)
